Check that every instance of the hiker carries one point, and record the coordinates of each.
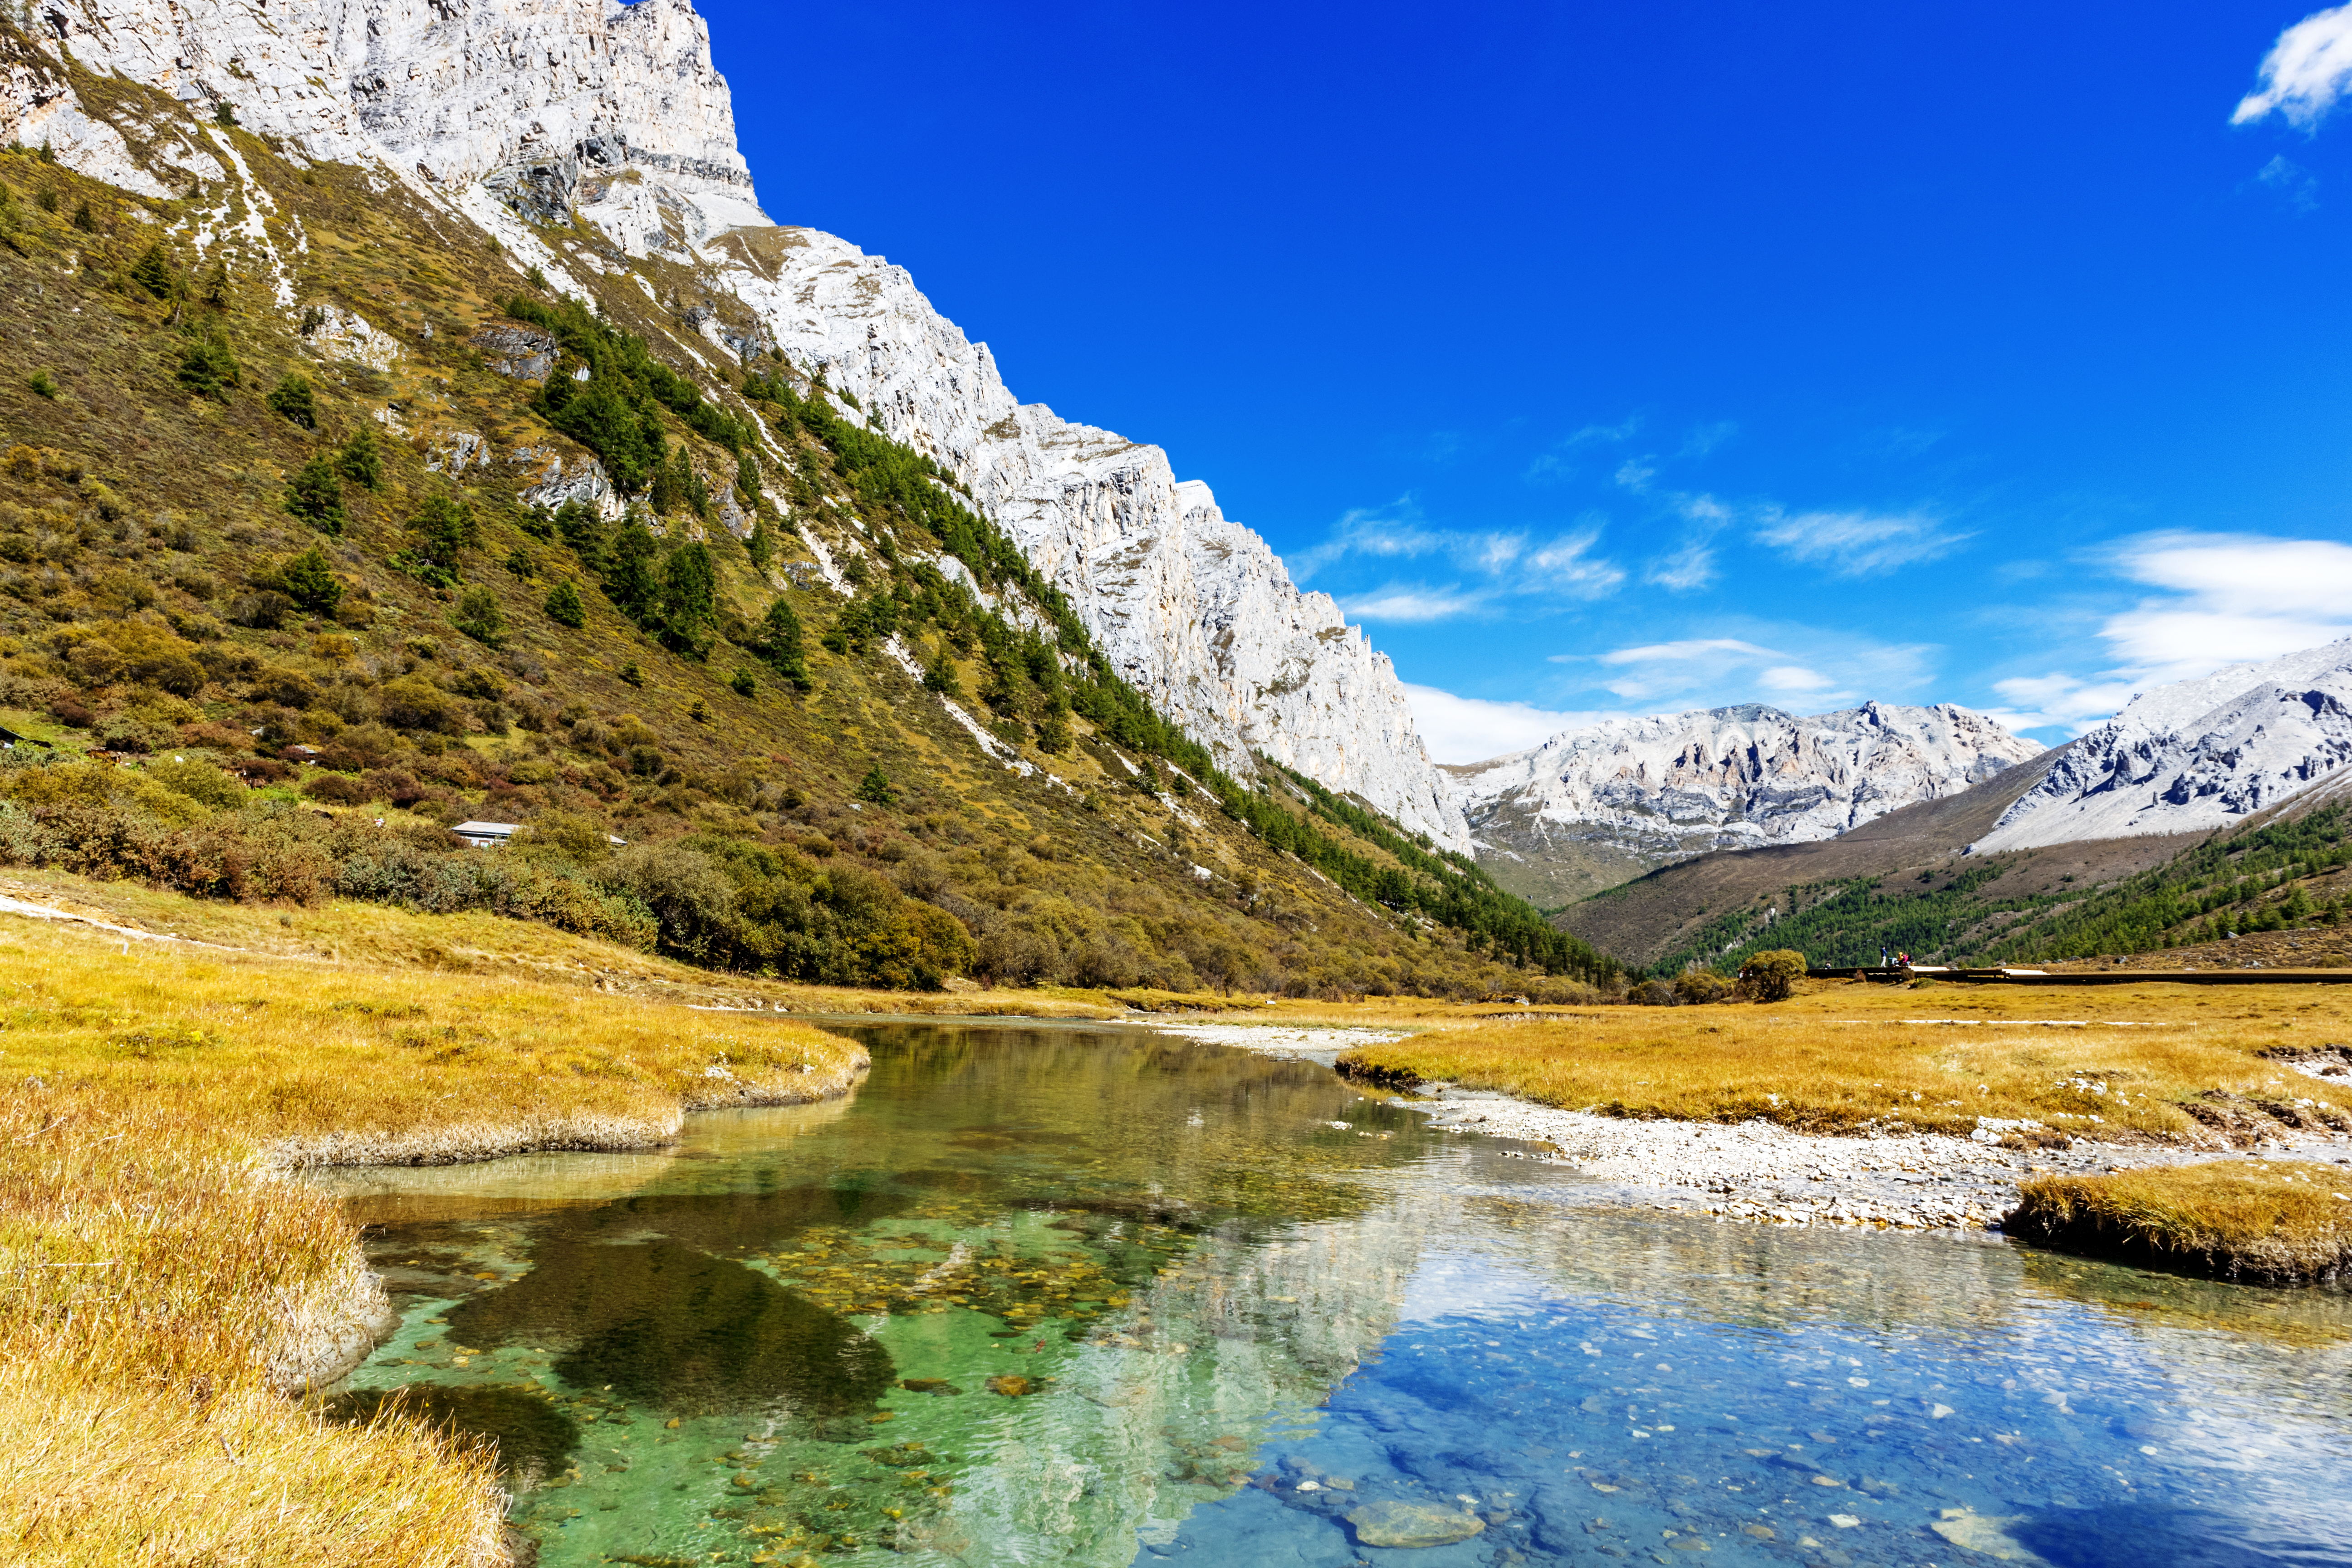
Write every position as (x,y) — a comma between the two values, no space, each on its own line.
(1882,955)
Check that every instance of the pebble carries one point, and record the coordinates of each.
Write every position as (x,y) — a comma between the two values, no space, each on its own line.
(1761,1172)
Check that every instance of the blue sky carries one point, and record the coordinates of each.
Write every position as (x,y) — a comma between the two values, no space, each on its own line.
(1632,358)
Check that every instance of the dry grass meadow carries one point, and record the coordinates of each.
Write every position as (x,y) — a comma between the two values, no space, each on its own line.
(2269,1222)
(162,1287)
(2160,1062)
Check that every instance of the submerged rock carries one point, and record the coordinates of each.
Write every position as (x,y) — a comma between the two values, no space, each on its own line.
(1395,1523)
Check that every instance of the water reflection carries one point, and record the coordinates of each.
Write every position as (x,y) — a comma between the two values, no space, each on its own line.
(1078,1296)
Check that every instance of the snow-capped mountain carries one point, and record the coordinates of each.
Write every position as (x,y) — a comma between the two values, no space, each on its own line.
(2195,755)
(1594,806)
(517,112)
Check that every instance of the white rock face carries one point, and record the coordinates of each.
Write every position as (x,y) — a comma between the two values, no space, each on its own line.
(1735,778)
(2195,755)
(547,107)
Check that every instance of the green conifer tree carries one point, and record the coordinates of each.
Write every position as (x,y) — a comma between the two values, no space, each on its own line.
(564,606)
(316,496)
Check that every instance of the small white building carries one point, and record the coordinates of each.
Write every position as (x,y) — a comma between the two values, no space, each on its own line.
(487,835)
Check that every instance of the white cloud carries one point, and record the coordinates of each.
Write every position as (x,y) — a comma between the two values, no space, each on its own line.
(2306,71)
(1856,543)
(1794,680)
(1635,473)
(2228,598)
(1499,564)
(1834,670)
(1691,566)
(1689,648)
(2241,596)
(1567,565)
(2059,702)
(1471,729)
(1411,602)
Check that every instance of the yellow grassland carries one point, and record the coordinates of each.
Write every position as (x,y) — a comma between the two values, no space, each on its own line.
(163,1285)
(2117,1062)
(2273,1221)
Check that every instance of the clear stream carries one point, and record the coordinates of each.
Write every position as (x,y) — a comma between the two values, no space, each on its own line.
(1063,1295)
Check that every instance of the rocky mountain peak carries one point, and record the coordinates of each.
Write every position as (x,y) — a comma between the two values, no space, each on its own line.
(2195,755)
(524,113)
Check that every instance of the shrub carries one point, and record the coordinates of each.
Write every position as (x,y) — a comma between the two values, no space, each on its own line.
(291,399)
(481,617)
(411,703)
(207,368)
(1772,976)
(1653,993)
(43,385)
(339,788)
(1700,986)
(744,683)
(200,782)
(264,611)
(316,496)
(874,787)
(564,606)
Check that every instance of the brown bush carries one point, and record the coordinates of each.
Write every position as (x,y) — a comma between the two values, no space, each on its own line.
(340,789)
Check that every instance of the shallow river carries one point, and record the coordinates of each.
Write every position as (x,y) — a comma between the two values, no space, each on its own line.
(1061,1295)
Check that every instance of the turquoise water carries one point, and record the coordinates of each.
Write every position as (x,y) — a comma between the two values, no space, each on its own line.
(1056,1295)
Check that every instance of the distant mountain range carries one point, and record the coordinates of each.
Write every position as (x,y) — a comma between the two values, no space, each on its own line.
(1593,807)
(1998,866)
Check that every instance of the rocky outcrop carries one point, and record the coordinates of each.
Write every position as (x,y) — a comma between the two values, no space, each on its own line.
(2195,755)
(1599,806)
(516,110)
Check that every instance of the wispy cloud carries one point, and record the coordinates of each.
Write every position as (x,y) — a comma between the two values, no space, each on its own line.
(1804,669)
(2292,183)
(2304,73)
(1704,438)
(1499,565)
(1559,462)
(1414,601)
(2062,703)
(1473,728)
(1858,543)
(1685,570)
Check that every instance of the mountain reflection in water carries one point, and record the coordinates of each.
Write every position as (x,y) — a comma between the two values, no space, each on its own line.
(1057,1295)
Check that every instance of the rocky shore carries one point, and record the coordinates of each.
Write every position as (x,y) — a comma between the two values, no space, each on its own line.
(1760,1172)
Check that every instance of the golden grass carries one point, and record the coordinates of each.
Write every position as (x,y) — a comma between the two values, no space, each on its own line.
(2273,1221)
(2157,1061)
(162,1284)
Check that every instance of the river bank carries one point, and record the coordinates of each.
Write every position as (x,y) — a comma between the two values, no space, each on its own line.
(1880,1175)
(166,1288)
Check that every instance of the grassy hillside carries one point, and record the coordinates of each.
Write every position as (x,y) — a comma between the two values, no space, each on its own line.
(2283,876)
(269,594)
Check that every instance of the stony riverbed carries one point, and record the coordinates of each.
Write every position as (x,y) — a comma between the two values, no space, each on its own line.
(1756,1171)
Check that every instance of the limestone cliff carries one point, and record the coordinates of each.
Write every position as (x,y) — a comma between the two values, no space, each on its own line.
(519,113)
